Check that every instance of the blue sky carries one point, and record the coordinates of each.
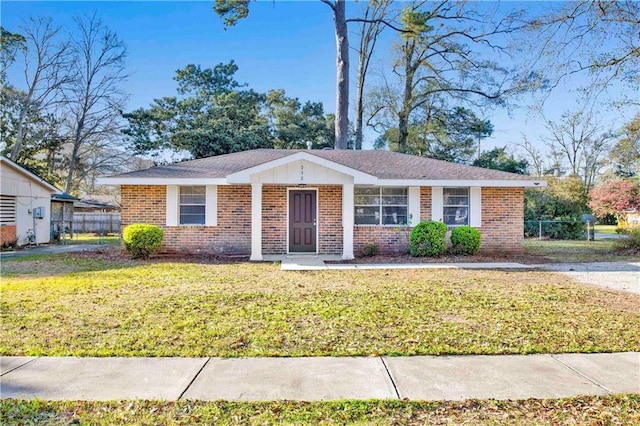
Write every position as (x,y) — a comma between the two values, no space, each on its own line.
(284,44)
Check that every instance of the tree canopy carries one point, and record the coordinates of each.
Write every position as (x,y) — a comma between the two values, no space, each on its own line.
(499,159)
(615,197)
(215,114)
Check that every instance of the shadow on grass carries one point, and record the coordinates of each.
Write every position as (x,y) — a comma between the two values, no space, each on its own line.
(106,258)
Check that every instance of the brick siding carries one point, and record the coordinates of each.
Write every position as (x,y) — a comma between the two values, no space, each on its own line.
(391,239)
(502,219)
(330,219)
(232,235)
(7,234)
(274,219)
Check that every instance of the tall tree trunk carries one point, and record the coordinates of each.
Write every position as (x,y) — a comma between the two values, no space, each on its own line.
(407,97)
(17,146)
(359,101)
(342,64)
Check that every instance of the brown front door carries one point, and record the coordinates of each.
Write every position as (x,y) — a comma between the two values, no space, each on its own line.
(302,221)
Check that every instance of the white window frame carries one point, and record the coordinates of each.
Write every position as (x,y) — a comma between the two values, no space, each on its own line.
(173,206)
(203,204)
(475,205)
(467,206)
(380,205)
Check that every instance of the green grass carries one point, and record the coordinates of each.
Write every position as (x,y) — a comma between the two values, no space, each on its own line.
(610,409)
(606,229)
(92,238)
(576,250)
(66,305)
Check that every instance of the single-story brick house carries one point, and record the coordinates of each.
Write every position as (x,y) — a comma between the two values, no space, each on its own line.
(269,201)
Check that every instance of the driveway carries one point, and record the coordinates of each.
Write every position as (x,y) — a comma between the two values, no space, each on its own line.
(624,276)
(50,249)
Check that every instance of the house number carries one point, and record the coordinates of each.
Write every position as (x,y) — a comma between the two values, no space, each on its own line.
(301,172)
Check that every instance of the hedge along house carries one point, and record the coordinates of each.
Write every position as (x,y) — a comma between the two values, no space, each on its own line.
(276,202)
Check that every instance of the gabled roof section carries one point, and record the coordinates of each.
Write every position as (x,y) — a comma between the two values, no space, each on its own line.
(244,176)
(371,166)
(5,162)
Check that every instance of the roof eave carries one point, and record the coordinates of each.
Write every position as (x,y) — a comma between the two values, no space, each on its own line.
(30,175)
(160,181)
(496,183)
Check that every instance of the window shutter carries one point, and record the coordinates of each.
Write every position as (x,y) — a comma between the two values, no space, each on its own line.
(437,204)
(211,208)
(475,206)
(414,205)
(172,205)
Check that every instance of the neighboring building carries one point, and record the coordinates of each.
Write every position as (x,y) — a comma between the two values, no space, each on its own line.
(25,205)
(62,216)
(98,214)
(319,201)
(631,217)
(97,204)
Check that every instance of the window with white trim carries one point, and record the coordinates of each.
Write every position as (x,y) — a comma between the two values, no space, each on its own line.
(455,206)
(192,202)
(380,206)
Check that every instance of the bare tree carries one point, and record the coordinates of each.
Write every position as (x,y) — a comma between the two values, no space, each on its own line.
(533,156)
(371,27)
(96,97)
(440,57)
(597,39)
(47,70)
(581,142)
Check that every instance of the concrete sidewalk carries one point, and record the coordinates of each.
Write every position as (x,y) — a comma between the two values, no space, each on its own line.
(323,378)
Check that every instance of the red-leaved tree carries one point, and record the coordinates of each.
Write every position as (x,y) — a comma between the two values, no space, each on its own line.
(614,197)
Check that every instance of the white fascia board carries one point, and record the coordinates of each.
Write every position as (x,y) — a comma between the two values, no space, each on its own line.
(18,168)
(244,176)
(160,181)
(465,183)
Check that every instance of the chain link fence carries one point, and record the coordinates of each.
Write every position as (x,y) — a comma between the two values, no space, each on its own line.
(558,229)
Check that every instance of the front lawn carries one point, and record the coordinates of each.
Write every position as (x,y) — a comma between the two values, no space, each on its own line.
(74,305)
(577,250)
(606,229)
(93,238)
(610,409)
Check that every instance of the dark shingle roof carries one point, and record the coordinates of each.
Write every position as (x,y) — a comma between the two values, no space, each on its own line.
(382,164)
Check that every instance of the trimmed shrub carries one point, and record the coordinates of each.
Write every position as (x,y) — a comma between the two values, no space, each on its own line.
(370,249)
(631,242)
(428,239)
(465,240)
(142,240)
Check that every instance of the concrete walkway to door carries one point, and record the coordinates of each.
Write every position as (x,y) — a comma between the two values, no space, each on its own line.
(311,262)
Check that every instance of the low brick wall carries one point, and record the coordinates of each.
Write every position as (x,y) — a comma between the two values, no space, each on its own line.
(7,234)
